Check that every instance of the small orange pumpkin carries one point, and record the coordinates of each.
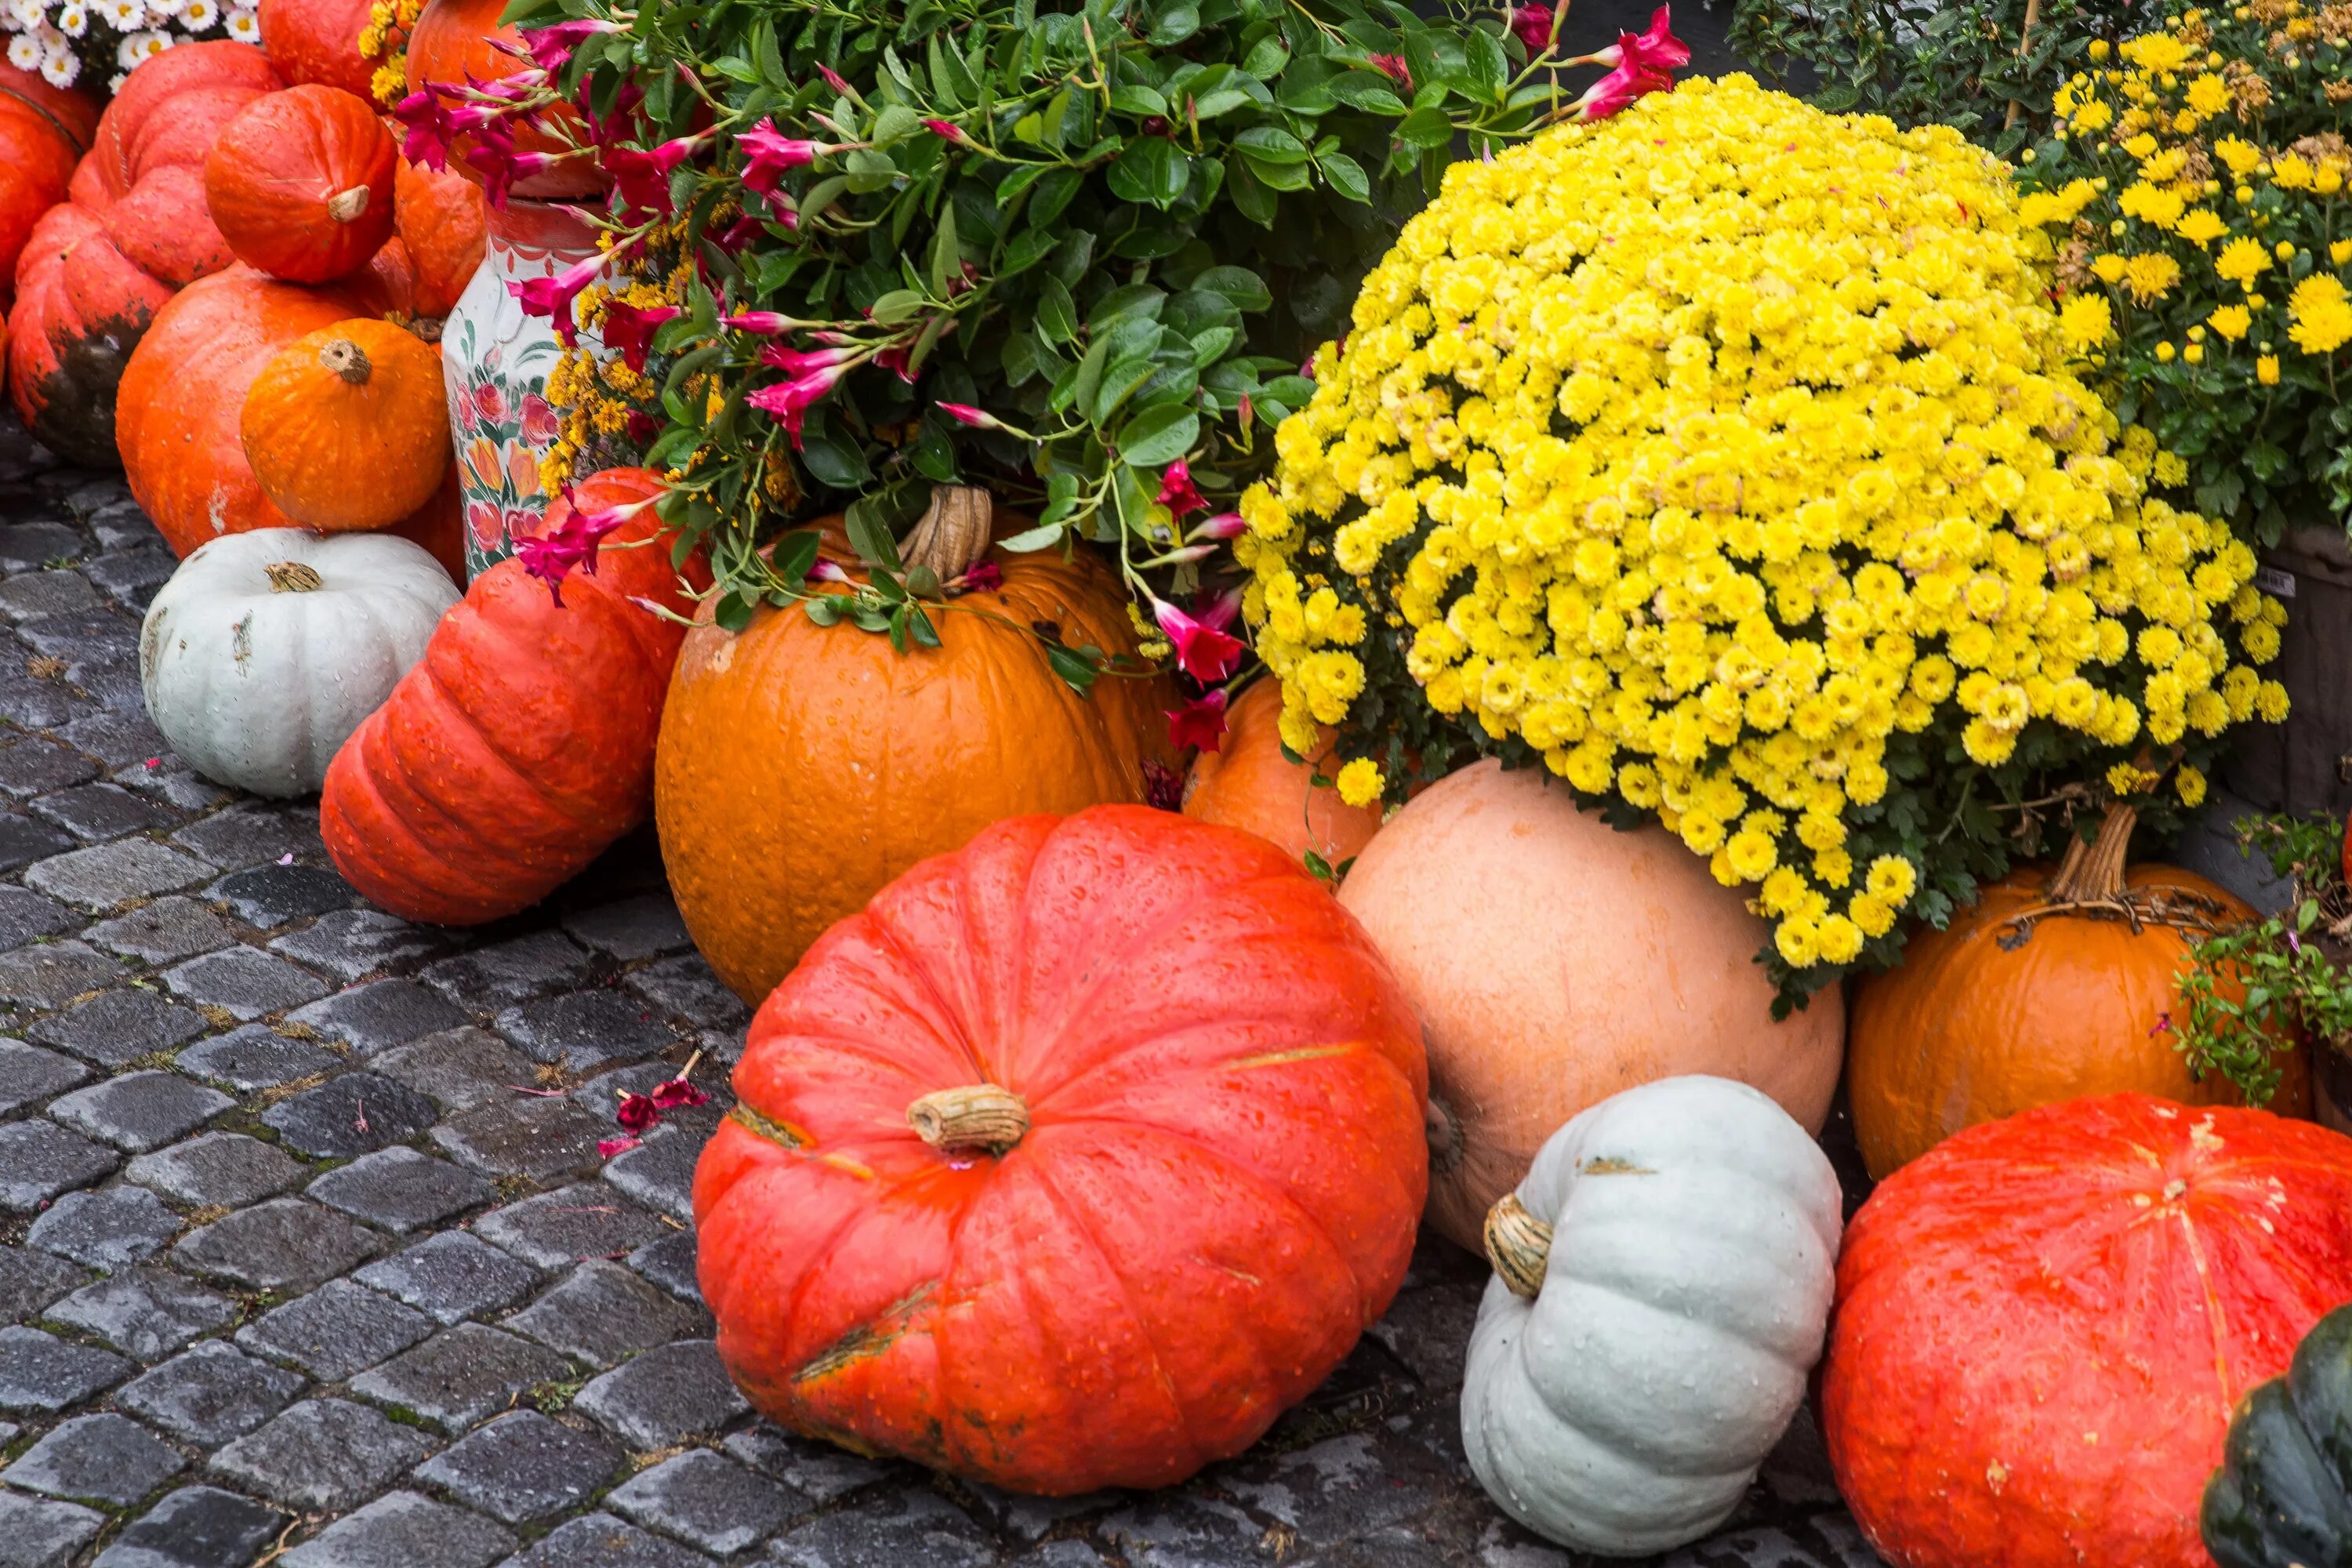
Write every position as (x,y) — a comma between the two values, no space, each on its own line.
(346,428)
(301,184)
(1247,783)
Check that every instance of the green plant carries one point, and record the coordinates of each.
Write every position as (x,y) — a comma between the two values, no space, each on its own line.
(2260,989)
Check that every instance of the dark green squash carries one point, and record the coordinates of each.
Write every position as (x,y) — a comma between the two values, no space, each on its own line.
(2283,1497)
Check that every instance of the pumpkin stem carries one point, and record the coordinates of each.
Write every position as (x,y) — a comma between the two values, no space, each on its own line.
(348,359)
(291,577)
(953,532)
(1518,1245)
(2093,873)
(346,206)
(972,1118)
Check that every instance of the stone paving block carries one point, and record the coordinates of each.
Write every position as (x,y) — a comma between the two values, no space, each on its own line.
(663,1397)
(557,1229)
(120,1026)
(283,1244)
(403,1530)
(25,546)
(216,1170)
(195,1526)
(1169,1529)
(38,704)
(379,1016)
(30,1280)
(669,1263)
(270,895)
(601,1540)
(29,1074)
(524,1135)
(244,983)
(522,1466)
(131,577)
(459,1068)
(630,928)
(38,1533)
(25,916)
(60,591)
(817,1471)
(451,1277)
(140,1110)
(210,1393)
(100,878)
(255,1056)
(489,979)
(102,1458)
(95,813)
(460,1376)
(165,931)
(350,943)
(584,1030)
(252,832)
(685,987)
(146,1313)
(659,1172)
(335,1330)
(602,1314)
(1346,1484)
(400,1189)
(52,973)
(353,1114)
(1064,1554)
(36,764)
(118,740)
(913,1529)
(73,635)
(39,1159)
(24,841)
(170,780)
(323,1456)
(706,1500)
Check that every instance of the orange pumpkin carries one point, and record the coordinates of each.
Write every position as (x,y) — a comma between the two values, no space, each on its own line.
(44,131)
(1555,962)
(1247,783)
(802,766)
(301,184)
(2048,987)
(456,42)
(347,428)
(319,40)
(444,223)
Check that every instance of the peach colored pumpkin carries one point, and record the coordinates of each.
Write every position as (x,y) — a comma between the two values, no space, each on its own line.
(1554,962)
(1247,783)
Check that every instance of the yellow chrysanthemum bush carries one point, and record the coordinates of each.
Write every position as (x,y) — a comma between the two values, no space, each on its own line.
(1720,458)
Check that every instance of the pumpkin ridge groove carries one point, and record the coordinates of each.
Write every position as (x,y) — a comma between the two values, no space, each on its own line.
(865,1340)
(2215,1319)
(956,1040)
(1296,1054)
(528,785)
(760,1125)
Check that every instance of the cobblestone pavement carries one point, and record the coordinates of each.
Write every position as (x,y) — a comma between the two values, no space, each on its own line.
(307,1252)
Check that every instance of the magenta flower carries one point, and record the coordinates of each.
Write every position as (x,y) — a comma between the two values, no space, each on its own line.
(1395,69)
(608,1147)
(550,48)
(800,361)
(641,176)
(630,329)
(829,572)
(1532,24)
(771,154)
(553,297)
(1199,722)
(1654,50)
(671,1093)
(492,155)
(833,79)
(982,577)
(1614,91)
(1204,649)
(1225,525)
(637,1114)
(745,229)
(789,401)
(1177,491)
(946,129)
(965,414)
(427,124)
(643,427)
(1163,787)
(552,556)
(760,324)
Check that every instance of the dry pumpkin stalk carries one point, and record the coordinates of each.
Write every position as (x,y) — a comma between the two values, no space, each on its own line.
(2090,882)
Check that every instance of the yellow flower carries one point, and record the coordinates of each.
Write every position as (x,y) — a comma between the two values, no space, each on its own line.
(2266,370)
(2108,268)
(2231,320)
(2151,276)
(2190,786)
(2319,314)
(2086,319)
(1360,781)
(2202,227)
(2243,260)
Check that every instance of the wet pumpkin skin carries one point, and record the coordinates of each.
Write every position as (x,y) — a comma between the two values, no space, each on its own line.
(1248,782)
(1212,1185)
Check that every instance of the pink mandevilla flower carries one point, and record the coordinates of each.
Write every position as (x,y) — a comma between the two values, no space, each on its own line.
(760,324)
(1225,525)
(553,297)
(642,175)
(1654,50)
(552,556)
(637,1114)
(1177,493)
(426,123)
(673,1092)
(1394,67)
(983,578)
(630,329)
(550,48)
(789,401)
(965,414)
(1614,91)
(800,361)
(833,79)
(1532,25)
(608,1147)
(947,129)
(1199,722)
(771,153)
(1203,648)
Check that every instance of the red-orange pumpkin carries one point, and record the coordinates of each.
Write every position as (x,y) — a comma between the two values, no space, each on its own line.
(319,40)
(1247,783)
(301,184)
(1069,1162)
(444,223)
(44,132)
(81,309)
(523,743)
(2043,1324)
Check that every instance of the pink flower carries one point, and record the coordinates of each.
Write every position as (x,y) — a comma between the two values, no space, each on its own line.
(1203,647)
(947,130)
(832,80)
(426,123)
(771,153)
(745,229)
(1225,525)
(1620,87)
(643,427)
(760,324)
(1199,722)
(1177,491)
(829,572)
(637,1114)
(671,1093)
(608,1147)
(1163,787)
(1532,24)
(1395,67)
(800,361)
(550,48)
(1248,412)
(642,175)
(983,578)
(787,401)
(490,403)
(965,414)
(1654,50)
(554,296)
(552,556)
(539,425)
(630,329)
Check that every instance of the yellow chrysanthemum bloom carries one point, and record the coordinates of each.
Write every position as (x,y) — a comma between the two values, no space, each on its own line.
(2319,314)
(2243,260)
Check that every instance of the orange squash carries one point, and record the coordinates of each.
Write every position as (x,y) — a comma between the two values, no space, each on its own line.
(802,767)
(319,40)
(301,184)
(347,428)
(1555,962)
(2017,1003)
(444,224)
(44,131)
(1247,783)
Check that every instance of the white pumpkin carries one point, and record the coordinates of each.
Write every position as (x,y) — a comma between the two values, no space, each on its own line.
(266,649)
(1663,1282)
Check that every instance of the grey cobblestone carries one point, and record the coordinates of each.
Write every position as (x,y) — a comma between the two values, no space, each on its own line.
(27,915)
(140,1110)
(29,1075)
(30,1280)
(705,1500)
(514,1132)
(335,1330)
(251,833)
(557,1229)
(211,1393)
(914,1529)
(582,1031)
(244,983)
(602,1314)
(492,978)
(40,1372)
(631,929)
(146,1313)
(100,879)
(522,1466)
(165,931)
(400,1189)
(459,1067)
(216,1170)
(663,1397)
(322,1454)
(602,1540)
(120,1026)
(39,1159)
(451,1277)
(96,1458)
(378,1015)
(95,813)
(402,1530)
(52,973)
(107,1229)
(28,767)
(353,1114)
(350,943)
(24,841)
(461,1375)
(282,1245)
(38,1533)
(195,1526)
(255,1056)
(269,896)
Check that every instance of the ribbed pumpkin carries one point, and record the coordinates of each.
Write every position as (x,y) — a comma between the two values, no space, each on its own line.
(1554,962)
(454,42)
(348,427)
(444,223)
(1070,1160)
(523,743)
(2043,1324)
(318,41)
(44,132)
(1247,783)
(301,184)
(802,767)
(81,309)
(2049,987)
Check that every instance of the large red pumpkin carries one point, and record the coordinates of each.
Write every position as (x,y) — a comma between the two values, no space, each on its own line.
(301,184)
(523,743)
(319,40)
(1071,1160)
(44,132)
(2043,1324)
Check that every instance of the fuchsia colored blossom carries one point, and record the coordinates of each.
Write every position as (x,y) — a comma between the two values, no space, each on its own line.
(829,572)
(1531,23)
(800,361)
(947,130)
(553,297)
(552,556)
(1177,491)
(1225,525)
(1654,50)
(772,155)
(1394,67)
(983,578)
(1163,787)
(833,79)
(641,176)
(643,427)
(606,1148)
(550,48)
(637,1114)
(789,401)
(1204,649)
(673,1092)
(760,324)
(1614,91)
(491,154)
(630,329)
(1199,722)
(965,414)
(745,229)
(425,123)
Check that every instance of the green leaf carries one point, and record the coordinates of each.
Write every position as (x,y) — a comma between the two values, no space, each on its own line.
(1158,435)
(1020,359)
(1208,105)
(1052,196)
(1039,537)
(824,609)
(1367,90)
(1150,169)
(1139,100)
(869,535)
(831,458)
(1210,344)
(732,613)
(897,306)
(1427,127)
(794,553)
(1239,284)
(1078,672)
(1057,314)
(1490,67)
(1175,24)
(1255,202)
(1268,144)
(1128,302)
(1117,383)
(1346,176)
(947,256)
(1091,371)
(1266,58)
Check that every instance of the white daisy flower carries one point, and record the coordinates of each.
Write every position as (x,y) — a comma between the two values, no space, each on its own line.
(73,20)
(59,71)
(122,15)
(114,83)
(141,46)
(24,15)
(245,27)
(52,41)
(24,52)
(199,14)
